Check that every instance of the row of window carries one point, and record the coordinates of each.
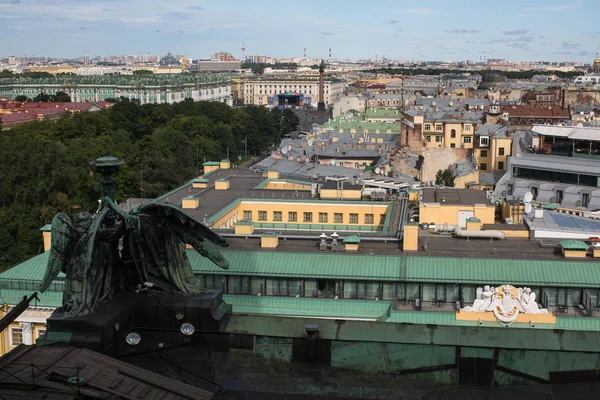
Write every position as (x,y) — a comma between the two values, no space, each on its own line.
(338,218)
(440,128)
(16,335)
(483,166)
(439,139)
(383,290)
(556,176)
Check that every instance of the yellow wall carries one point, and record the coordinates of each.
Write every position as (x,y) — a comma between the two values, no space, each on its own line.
(47,240)
(351,246)
(273,174)
(222,185)
(199,185)
(460,182)
(225,164)
(6,335)
(269,242)
(341,194)
(300,208)
(210,168)
(189,203)
(574,253)
(285,185)
(411,237)
(244,229)
(448,213)
(462,130)
(512,233)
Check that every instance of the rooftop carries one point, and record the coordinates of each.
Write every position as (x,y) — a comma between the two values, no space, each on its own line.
(455,196)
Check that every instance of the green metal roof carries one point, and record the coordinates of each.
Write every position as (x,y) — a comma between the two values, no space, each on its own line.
(199,180)
(212,163)
(30,270)
(353,239)
(573,245)
(47,299)
(244,222)
(475,271)
(308,307)
(46,228)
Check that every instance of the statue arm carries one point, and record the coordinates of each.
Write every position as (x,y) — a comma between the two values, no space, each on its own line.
(64,236)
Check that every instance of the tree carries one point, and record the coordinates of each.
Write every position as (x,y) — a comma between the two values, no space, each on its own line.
(444,178)
(142,72)
(61,97)
(22,98)
(43,97)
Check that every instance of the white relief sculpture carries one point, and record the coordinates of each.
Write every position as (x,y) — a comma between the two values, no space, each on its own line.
(506,302)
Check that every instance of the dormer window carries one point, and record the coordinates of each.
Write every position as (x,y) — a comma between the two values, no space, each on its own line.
(484,141)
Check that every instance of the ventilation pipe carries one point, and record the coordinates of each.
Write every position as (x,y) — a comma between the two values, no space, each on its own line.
(478,234)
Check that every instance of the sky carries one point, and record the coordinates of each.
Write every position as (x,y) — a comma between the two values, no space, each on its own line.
(516,30)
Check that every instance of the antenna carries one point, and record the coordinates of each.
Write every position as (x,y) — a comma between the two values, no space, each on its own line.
(305,52)
(377,170)
(332,162)
(243,52)
(527,199)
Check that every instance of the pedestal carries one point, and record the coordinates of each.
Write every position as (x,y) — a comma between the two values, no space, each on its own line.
(157,317)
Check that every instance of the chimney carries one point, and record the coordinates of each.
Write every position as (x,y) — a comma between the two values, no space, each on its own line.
(47,235)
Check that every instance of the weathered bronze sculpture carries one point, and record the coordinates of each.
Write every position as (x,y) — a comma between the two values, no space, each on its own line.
(152,252)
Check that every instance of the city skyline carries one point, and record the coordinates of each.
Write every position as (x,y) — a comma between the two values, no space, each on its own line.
(514,30)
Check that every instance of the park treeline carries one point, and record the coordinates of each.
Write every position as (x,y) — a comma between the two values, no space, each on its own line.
(44,165)
(486,74)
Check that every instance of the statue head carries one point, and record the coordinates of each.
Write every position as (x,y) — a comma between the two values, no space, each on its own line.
(527,290)
(486,288)
(83,221)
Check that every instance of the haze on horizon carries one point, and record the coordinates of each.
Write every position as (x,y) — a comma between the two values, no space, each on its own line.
(435,30)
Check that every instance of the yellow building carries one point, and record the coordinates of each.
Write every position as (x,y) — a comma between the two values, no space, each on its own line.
(448,133)
(455,207)
(259,92)
(493,147)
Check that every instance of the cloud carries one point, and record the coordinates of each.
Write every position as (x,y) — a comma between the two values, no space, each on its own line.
(558,7)
(196,8)
(157,31)
(327,33)
(82,28)
(528,15)
(569,46)
(398,29)
(527,39)
(463,30)
(15,1)
(564,53)
(420,11)
(180,31)
(516,32)
(583,54)
(394,21)
(519,46)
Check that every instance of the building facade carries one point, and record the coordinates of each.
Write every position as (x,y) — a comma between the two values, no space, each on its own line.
(147,90)
(260,92)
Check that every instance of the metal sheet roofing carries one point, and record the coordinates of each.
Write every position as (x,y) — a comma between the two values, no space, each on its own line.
(476,271)
(308,307)
(571,132)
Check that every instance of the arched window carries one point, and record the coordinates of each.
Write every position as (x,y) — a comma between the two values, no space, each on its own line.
(453,133)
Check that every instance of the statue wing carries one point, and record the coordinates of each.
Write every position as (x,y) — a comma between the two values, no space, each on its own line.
(186,229)
(64,236)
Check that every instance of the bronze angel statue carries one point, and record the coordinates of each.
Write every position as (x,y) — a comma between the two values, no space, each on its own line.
(115,251)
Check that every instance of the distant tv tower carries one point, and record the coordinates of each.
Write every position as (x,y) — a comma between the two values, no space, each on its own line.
(243,52)
(305,52)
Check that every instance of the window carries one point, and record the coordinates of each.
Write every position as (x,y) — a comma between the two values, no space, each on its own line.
(501,165)
(427,127)
(338,218)
(16,336)
(585,200)
(307,217)
(484,141)
(467,128)
(381,219)
(354,218)
(369,219)
(501,151)
(467,139)
(510,188)
(559,196)
(453,133)
(277,216)
(483,167)
(41,332)
(292,216)
(483,153)
(439,128)
(262,215)
(428,138)
(322,217)
(248,215)
(438,139)
(534,191)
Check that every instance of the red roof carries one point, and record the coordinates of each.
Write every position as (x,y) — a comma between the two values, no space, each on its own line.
(9,120)
(535,112)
